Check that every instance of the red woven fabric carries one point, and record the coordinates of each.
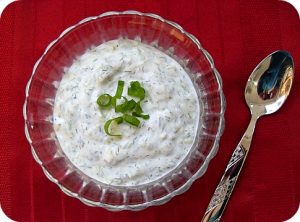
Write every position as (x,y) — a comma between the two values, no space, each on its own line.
(237,33)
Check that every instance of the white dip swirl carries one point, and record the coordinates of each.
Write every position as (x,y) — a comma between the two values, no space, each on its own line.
(145,153)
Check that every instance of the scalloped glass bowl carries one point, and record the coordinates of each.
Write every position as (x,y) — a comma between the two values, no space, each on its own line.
(48,71)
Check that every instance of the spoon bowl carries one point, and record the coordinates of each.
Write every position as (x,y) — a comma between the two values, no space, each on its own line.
(269,84)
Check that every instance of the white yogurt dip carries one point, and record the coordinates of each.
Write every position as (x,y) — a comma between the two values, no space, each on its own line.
(145,153)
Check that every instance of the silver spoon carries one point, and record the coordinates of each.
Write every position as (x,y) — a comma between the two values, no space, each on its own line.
(267,89)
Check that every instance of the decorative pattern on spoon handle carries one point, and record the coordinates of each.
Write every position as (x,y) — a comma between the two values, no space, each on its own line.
(222,193)
(225,187)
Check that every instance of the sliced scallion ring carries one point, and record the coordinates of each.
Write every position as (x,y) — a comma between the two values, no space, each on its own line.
(121,108)
(120,89)
(118,120)
(131,105)
(138,108)
(144,116)
(131,120)
(104,100)
(136,90)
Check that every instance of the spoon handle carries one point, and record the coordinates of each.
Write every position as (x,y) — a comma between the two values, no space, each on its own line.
(223,191)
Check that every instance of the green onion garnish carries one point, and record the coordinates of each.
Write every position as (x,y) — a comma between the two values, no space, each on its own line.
(138,108)
(131,120)
(144,116)
(126,106)
(131,105)
(136,90)
(122,107)
(113,101)
(118,120)
(104,100)
(119,89)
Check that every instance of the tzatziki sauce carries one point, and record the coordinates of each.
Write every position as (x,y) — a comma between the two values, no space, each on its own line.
(142,154)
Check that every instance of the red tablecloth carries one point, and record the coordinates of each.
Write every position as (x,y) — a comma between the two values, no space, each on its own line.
(238,34)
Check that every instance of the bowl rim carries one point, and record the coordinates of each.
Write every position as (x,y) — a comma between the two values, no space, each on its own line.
(195,176)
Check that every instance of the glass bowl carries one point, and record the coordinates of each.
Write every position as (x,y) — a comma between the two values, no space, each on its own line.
(47,73)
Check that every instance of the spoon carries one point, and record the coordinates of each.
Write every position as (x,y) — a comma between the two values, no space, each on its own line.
(267,89)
